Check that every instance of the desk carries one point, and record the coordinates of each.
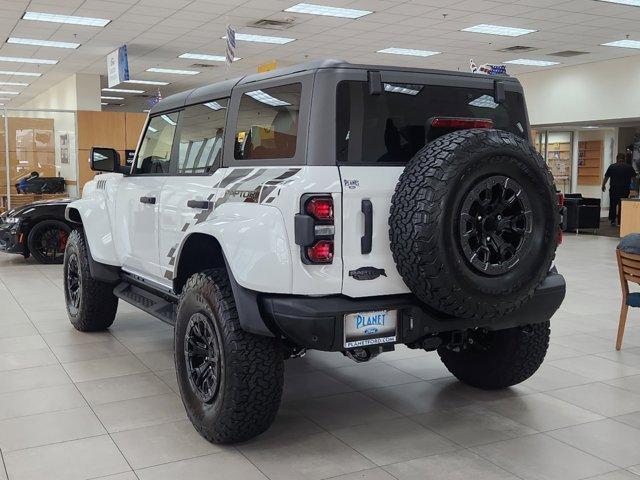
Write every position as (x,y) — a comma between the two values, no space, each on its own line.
(630,216)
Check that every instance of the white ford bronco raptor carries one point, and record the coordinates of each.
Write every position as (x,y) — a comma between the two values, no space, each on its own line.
(327,206)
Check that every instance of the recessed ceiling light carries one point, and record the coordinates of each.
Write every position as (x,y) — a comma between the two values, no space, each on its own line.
(74,20)
(408,51)
(104,103)
(111,98)
(312,9)
(498,30)
(633,3)
(248,37)
(173,70)
(42,61)
(147,82)
(42,43)
(20,74)
(15,84)
(535,63)
(214,105)
(168,120)
(121,90)
(204,56)
(623,44)
(267,99)
(8,92)
(405,89)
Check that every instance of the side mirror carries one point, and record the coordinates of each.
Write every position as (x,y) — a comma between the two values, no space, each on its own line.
(104,160)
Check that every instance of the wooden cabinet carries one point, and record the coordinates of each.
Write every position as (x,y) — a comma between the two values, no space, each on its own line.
(590,162)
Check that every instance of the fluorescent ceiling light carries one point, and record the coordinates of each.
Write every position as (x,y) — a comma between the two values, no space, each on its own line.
(52,17)
(42,43)
(42,61)
(168,120)
(121,90)
(312,9)
(248,37)
(498,30)
(4,99)
(214,105)
(104,103)
(112,98)
(8,92)
(147,82)
(408,51)
(394,88)
(623,44)
(173,70)
(151,129)
(20,74)
(633,3)
(204,56)
(484,101)
(15,84)
(535,63)
(263,97)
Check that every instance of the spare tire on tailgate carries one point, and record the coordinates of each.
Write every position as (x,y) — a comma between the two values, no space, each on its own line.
(474,223)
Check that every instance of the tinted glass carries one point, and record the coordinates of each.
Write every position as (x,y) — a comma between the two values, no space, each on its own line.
(391,127)
(268,123)
(155,152)
(201,134)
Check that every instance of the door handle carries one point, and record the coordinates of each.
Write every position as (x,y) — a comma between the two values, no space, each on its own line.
(148,200)
(202,204)
(367,239)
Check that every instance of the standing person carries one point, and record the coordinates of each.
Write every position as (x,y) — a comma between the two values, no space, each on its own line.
(620,174)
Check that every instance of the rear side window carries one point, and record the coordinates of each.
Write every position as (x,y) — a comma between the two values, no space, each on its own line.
(201,134)
(268,123)
(154,156)
(391,127)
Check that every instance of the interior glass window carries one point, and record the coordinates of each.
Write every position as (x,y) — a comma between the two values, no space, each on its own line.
(201,135)
(155,152)
(268,123)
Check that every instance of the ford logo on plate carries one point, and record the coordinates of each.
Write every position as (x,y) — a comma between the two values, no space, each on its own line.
(371,331)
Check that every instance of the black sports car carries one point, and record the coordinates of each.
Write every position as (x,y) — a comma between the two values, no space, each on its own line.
(37,229)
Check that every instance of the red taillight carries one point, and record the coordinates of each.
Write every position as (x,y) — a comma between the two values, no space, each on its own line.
(321,252)
(320,208)
(560,199)
(461,123)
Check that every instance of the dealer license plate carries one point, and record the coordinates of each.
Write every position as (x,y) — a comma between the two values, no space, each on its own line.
(362,329)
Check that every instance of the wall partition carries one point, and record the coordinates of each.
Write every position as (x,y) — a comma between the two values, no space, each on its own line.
(39,156)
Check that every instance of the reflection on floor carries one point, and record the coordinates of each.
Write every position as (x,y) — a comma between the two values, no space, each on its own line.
(105,405)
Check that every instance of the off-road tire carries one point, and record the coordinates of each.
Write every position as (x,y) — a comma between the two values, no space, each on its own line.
(37,230)
(426,211)
(501,359)
(97,304)
(252,366)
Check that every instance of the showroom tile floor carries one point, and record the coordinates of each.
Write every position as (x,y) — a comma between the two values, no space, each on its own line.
(80,406)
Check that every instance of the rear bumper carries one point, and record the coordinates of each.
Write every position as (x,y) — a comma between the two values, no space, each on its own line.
(10,238)
(317,322)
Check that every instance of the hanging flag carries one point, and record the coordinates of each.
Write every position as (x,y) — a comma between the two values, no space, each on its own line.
(117,66)
(231,44)
(486,69)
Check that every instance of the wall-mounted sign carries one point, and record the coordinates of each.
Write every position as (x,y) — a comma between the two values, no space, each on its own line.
(117,66)
(64,148)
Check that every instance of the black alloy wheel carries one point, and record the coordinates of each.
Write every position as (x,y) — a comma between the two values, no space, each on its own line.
(74,282)
(47,241)
(202,357)
(495,224)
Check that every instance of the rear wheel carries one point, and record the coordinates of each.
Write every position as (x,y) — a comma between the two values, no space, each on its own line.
(230,380)
(91,304)
(498,359)
(47,240)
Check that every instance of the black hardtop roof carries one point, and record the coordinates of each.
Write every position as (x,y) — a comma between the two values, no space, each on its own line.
(223,88)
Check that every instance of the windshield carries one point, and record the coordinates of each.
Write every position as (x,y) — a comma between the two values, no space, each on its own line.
(391,127)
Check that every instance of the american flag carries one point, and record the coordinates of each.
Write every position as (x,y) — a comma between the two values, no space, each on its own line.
(487,69)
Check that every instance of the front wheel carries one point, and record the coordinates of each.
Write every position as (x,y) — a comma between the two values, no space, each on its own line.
(91,304)
(230,380)
(500,358)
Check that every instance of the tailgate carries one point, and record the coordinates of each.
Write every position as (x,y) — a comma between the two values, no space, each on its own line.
(362,271)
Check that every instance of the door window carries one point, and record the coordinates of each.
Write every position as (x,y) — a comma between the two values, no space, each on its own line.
(154,156)
(268,123)
(201,134)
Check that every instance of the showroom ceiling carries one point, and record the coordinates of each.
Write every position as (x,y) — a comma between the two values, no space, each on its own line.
(156,32)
